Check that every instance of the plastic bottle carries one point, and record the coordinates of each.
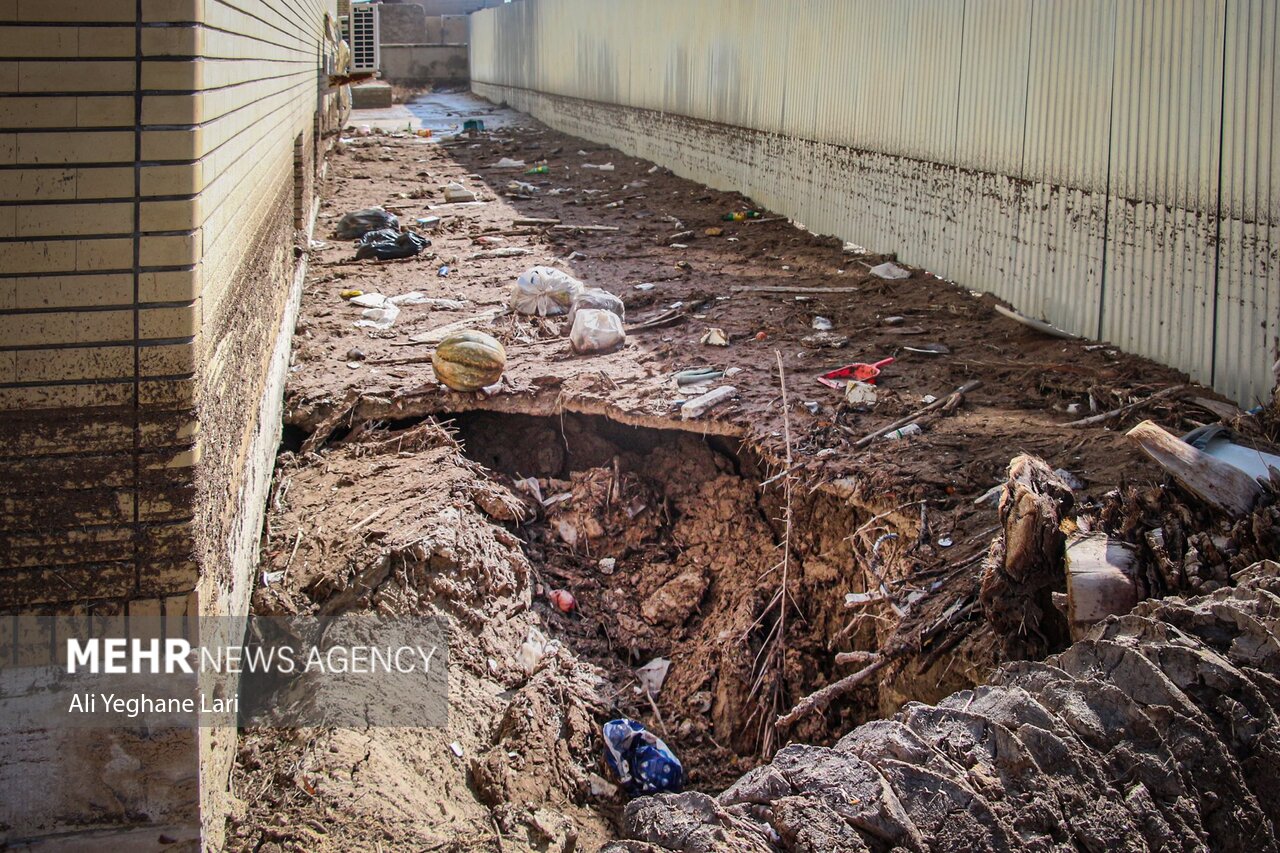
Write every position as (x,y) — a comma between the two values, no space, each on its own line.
(903,432)
(739,217)
(539,170)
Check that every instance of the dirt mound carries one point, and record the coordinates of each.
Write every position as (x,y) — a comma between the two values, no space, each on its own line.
(1158,731)
(393,523)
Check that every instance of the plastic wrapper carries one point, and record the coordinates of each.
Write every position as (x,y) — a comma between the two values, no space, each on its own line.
(544,291)
(640,759)
(595,330)
(594,297)
(383,317)
(360,222)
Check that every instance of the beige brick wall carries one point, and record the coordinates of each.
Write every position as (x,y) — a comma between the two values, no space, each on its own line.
(156,171)
(130,225)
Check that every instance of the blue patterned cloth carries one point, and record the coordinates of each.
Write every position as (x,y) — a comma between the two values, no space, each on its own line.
(639,758)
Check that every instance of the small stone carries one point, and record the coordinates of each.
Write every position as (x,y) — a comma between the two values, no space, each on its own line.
(356,354)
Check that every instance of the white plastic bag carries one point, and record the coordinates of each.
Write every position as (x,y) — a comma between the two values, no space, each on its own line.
(594,297)
(595,330)
(544,291)
(380,318)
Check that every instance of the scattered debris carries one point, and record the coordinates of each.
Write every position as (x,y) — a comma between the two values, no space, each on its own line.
(562,600)
(860,395)
(596,330)
(1101,581)
(949,404)
(858,371)
(903,432)
(1127,409)
(890,272)
(640,760)
(544,292)
(458,194)
(1038,325)
(714,337)
(597,298)
(507,252)
(1220,484)
(699,406)
(356,224)
(387,245)
(652,675)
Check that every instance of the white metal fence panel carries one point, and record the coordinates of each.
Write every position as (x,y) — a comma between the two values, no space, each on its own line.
(1105,164)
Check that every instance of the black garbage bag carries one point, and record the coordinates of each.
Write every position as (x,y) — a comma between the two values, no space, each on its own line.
(404,245)
(382,235)
(360,222)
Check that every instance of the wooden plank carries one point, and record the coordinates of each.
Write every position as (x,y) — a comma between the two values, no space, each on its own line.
(1222,486)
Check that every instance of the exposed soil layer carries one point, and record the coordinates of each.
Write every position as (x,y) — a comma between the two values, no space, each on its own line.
(674,552)
(393,522)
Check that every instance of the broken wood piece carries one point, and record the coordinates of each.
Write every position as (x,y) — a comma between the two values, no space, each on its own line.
(1033,323)
(861,599)
(1024,563)
(780,288)
(1223,411)
(584,228)
(950,402)
(530,221)
(1126,409)
(336,81)
(857,658)
(701,405)
(436,335)
(508,252)
(1101,581)
(1217,483)
(819,700)
(342,412)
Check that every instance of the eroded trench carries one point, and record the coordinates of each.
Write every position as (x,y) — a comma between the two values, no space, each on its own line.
(674,545)
(674,551)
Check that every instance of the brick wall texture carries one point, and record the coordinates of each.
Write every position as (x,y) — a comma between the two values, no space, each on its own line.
(156,161)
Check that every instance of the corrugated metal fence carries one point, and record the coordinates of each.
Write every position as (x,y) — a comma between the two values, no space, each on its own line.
(1104,164)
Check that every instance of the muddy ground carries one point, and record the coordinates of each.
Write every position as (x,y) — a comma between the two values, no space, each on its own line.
(678,539)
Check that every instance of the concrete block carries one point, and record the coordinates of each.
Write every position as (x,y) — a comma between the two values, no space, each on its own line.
(371,96)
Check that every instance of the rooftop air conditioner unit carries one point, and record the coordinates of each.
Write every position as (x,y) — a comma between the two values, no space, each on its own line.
(361,32)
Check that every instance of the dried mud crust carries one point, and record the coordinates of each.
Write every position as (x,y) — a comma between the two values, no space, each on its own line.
(1029,379)
(1157,732)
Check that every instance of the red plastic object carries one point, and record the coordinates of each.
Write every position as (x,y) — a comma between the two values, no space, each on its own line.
(563,600)
(860,371)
